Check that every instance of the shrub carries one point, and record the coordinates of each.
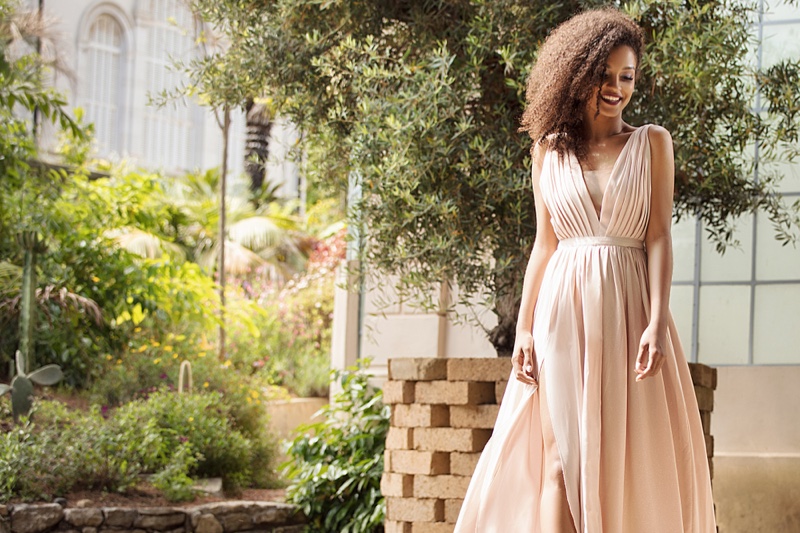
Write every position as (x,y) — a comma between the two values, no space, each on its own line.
(174,481)
(335,469)
(175,437)
(204,423)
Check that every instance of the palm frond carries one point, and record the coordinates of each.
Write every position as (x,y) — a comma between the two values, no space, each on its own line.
(10,274)
(145,244)
(240,260)
(69,300)
(256,233)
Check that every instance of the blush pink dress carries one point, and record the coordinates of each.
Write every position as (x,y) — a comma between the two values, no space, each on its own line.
(633,454)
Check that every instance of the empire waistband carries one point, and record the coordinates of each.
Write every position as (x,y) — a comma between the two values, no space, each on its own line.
(601,240)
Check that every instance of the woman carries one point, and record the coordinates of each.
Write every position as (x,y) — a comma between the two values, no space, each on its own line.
(600,430)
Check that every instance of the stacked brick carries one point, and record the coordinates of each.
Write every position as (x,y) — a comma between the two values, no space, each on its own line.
(705,383)
(443,412)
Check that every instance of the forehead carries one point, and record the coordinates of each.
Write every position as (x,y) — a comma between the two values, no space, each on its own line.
(621,57)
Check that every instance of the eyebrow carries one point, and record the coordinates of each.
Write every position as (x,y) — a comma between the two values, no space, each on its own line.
(629,67)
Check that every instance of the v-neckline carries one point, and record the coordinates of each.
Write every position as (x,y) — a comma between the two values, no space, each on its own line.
(599,214)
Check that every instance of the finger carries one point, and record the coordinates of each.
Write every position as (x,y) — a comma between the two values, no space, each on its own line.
(524,378)
(640,365)
(653,364)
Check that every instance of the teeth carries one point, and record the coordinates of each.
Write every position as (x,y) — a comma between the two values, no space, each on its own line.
(610,99)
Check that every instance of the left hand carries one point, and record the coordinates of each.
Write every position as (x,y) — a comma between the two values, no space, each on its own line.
(651,353)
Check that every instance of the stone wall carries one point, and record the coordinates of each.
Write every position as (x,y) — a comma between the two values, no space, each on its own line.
(222,517)
(443,412)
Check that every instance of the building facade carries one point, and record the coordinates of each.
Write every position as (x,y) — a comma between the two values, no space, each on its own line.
(121,56)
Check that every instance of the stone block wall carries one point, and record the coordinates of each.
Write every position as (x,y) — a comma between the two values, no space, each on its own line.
(222,517)
(443,412)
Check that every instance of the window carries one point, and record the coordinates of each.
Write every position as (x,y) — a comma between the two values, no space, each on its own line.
(742,307)
(102,82)
(171,132)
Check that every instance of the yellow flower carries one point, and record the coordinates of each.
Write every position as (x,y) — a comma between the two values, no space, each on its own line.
(142,348)
(129,299)
(205,384)
(167,348)
(174,356)
(137,330)
(227,363)
(157,361)
(201,354)
(155,343)
(119,361)
(191,419)
(254,393)
(249,400)
(95,279)
(108,357)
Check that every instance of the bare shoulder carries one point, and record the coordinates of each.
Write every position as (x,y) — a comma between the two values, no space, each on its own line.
(537,154)
(659,137)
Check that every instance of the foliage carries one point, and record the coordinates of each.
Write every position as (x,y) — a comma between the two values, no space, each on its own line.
(293,349)
(177,438)
(336,464)
(174,480)
(417,103)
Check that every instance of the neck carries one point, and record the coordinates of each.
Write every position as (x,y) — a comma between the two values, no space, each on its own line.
(601,128)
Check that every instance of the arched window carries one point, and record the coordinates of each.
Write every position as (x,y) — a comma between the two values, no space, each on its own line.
(102,81)
(170,132)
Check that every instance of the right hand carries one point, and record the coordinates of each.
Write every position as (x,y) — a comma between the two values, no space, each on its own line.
(523,359)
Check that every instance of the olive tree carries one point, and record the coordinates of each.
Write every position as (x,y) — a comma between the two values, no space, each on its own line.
(418,104)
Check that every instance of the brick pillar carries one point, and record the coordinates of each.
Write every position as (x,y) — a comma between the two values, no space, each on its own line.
(705,383)
(443,412)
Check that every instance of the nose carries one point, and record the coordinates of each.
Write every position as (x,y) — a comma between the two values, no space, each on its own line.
(612,81)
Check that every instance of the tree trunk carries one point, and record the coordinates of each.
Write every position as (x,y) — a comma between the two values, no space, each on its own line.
(508,298)
(259,125)
(226,126)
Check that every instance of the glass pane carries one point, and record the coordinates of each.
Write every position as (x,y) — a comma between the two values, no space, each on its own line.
(724,324)
(683,249)
(781,41)
(680,304)
(789,172)
(735,263)
(776,339)
(773,260)
(775,10)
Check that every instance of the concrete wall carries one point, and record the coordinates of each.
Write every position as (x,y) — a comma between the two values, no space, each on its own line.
(756,427)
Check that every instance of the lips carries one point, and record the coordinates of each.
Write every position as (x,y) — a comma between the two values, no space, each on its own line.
(610,99)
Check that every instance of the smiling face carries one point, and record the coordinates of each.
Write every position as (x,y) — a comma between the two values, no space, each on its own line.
(617,85)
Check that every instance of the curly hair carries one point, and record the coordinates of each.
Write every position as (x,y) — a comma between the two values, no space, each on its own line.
(570,65)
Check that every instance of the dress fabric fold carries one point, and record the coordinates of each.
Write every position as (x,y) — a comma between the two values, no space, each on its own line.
(633,454)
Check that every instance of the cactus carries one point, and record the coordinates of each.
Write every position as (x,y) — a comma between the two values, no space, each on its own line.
(185,370)
(21,388)
(30,242)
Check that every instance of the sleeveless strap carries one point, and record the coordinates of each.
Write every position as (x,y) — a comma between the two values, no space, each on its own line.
(600,240)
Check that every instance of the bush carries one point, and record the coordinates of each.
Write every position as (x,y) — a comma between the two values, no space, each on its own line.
(201,421)
(174,437)
(335,470)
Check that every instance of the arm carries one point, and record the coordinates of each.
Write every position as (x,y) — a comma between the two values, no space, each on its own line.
(658,241)
(523,356)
